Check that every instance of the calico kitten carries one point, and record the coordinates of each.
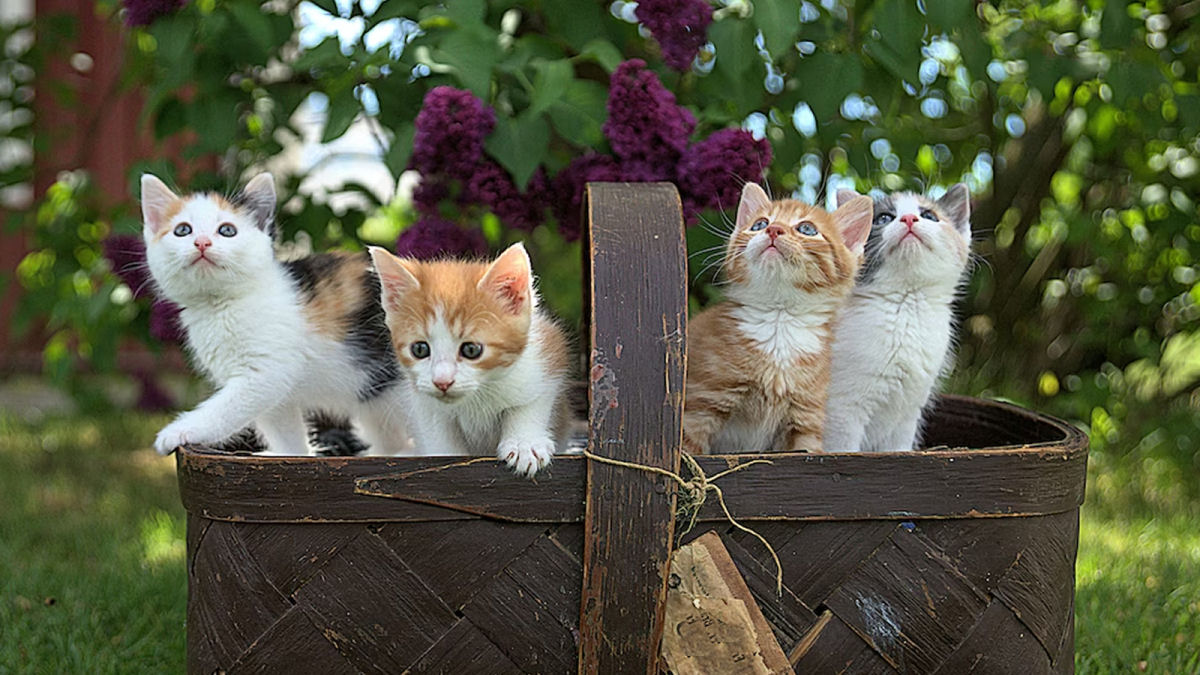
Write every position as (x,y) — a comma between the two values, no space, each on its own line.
(486,370)
(894,336)
(758,362)
(276,339)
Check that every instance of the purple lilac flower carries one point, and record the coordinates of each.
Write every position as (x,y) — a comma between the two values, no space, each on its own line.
(432,237)
(146,12)
(126,253)
(645,126)
(449,132)
(153,397)
(568,189)
(712,172)
(428,193)
(678,25)
(164,321)
(492,186)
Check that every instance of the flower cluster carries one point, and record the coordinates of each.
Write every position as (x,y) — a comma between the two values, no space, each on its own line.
(680,26)
(711,172)
(448,151)
(432,237)
(126,254)
(649,134)
(146,12)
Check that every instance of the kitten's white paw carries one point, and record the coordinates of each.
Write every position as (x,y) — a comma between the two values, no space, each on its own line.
(177,433)
(526,456)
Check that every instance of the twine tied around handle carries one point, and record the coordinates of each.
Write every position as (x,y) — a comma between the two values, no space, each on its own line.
(693,492)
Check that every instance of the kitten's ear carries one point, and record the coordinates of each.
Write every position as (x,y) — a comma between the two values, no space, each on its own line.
(395,280)
(157,200)
(956,205)
(754,200)
(844,196)
(258,197)
(854,220)
(510,278)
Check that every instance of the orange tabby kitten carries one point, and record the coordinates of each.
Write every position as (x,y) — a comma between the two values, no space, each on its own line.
(758,362)
(486,370)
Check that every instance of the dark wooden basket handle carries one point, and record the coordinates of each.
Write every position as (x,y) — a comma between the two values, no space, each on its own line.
(638,295)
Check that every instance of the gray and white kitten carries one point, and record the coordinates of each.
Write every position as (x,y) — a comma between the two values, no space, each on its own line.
(895,333)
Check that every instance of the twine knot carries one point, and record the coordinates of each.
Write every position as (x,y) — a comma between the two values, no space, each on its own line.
(693,492)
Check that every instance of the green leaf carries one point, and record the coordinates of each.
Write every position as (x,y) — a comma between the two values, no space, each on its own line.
(466,12)
(825,79)
(576,22)
(896,40)
(975,48)
(779,21)
(400,150)
(170,119)
(326,54)
(519,145)
(579,115)
(950,14)
(343,108)
(472,51)
(1116,28)
(214,117)
(602,52)
(257,26)
(549,84)
(176,51)
(329,5)
(393,9)
(734,42)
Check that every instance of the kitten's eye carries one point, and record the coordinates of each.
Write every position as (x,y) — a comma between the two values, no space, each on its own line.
(470,350)
(182,230)
(758,225)
(807,229)
(227,230)
(884,218)
(420,349)
(929,215)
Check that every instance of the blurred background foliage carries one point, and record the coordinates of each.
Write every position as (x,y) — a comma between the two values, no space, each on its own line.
(1075,123)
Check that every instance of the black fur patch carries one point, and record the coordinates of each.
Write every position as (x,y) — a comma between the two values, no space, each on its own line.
(310,270)
(371,342)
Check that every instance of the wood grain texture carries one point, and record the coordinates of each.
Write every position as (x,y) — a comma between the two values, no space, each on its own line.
(1043,476)
(638,298)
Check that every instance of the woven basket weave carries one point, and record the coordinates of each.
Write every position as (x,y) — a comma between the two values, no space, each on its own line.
(945,561)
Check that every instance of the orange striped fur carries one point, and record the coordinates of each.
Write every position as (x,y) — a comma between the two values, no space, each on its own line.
(759,361)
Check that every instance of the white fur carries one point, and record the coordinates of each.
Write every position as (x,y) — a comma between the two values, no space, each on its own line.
(893,338)
(505,410)
(247,332)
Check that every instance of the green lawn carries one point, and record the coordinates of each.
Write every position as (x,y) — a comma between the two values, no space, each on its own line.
(92,550)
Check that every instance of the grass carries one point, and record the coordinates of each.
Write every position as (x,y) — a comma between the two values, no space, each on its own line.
(92,557)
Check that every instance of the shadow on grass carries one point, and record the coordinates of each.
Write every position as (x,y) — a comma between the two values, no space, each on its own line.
(91,544)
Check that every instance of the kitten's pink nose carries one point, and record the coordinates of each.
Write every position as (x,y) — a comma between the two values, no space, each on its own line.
(203,243)
(909,219)
(444,385)
(774,231)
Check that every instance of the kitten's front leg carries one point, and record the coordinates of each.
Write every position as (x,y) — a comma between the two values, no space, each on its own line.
(804,429)
(525,442)
(285,432)
(232,408)
(703,417)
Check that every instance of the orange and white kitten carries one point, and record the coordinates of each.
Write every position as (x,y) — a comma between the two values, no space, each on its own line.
(759,361)
(486,369)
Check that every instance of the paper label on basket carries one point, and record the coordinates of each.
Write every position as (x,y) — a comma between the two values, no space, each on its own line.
(712,623)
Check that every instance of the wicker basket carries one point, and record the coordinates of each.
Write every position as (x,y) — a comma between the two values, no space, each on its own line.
(946,561)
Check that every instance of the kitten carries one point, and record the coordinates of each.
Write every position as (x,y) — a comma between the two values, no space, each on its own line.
(758,362)
(894,336)
(486,370)
(276,339)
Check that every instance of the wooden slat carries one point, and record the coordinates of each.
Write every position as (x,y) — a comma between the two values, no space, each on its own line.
(999,644)
(909,604)
(639,320)
(292,645)
(831,647)
(463,649)
(1039,586)
(378,613)
(789,617)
